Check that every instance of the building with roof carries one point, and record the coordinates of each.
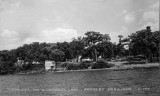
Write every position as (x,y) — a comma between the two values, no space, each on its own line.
(50,65)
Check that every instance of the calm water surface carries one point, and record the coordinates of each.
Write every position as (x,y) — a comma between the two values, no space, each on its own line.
(87,83)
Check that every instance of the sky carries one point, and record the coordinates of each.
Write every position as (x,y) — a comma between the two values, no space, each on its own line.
(51,21)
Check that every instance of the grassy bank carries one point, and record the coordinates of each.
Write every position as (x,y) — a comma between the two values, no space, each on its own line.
(115,66)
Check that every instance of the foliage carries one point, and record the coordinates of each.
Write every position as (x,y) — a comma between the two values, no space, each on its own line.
(105,49)
(145,42)
(57,55)
(77,47)
(93,40)
(76,65)
(71,65)
(85,65)
(91,45)
(101,63)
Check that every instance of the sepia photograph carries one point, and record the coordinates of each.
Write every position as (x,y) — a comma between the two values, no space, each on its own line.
(79,48)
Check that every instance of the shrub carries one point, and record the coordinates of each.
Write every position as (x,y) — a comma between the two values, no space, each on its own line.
(64,64)
(70,65)
(136,60)
(85,64)
(7,68)
(101,63)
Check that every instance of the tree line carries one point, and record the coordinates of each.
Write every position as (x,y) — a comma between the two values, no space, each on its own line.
(91,45)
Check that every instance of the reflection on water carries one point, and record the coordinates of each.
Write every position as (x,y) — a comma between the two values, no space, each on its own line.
(88,83)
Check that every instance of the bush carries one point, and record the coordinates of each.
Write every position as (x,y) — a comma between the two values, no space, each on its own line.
(70,65)
(101,63)
(85,64)
(136,60)
(64,64)
(7,68)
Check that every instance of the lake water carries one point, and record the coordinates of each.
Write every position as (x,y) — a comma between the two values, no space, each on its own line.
(144,82)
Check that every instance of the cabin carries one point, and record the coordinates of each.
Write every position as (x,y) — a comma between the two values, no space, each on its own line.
(19,62)
(50,65)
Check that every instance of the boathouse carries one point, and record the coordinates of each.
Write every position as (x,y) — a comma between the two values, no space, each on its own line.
(50,65)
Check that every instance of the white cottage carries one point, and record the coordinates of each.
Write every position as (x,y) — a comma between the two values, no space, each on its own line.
(50,65)
(19,62)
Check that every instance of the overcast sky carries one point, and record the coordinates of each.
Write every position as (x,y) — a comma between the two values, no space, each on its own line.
(26,21)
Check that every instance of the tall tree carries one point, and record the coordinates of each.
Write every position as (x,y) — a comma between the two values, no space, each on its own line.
(92,39)
(66,48)
(120,38)
(57,55)
(142,43)
(77,47)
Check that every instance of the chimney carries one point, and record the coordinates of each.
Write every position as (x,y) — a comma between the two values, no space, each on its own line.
(148,28)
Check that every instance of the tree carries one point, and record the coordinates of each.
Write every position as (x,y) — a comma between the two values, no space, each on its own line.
(143,42)
(92,38)
(106,38)
(57,55)
(154,41)
(66,48)
(120,38)
(77,47)
(43,57)
(105,50)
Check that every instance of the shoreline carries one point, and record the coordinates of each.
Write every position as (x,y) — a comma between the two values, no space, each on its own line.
(123,67)
(115,68)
